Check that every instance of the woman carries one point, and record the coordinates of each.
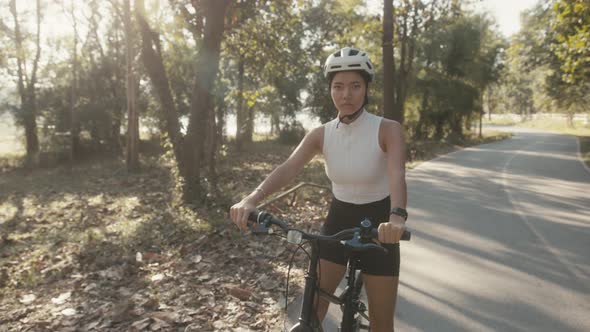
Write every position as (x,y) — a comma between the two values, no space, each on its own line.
(365,160)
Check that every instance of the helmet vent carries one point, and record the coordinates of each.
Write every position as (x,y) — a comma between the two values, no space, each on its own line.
(349,58)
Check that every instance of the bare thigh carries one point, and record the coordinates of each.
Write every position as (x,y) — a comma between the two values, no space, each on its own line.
(330,275)
(382,294)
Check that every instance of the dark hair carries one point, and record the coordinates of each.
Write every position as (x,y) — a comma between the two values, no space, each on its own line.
(365,76)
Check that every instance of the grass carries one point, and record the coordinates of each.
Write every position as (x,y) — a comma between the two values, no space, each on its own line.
(556,125)
(504,121)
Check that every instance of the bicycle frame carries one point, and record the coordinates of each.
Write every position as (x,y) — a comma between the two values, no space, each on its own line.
(349,299)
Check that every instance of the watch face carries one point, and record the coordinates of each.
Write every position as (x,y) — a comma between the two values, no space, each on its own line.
(366,223)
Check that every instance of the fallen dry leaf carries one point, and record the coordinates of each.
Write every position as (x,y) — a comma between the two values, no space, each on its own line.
(68,312)
(28,299)
(239,293)
(62,298)
(140,325)
(167,316)
(157,277)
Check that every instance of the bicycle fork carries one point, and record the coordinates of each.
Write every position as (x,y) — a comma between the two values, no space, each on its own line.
(308,321)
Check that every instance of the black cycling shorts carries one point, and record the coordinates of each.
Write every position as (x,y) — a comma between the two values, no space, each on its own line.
(343,215)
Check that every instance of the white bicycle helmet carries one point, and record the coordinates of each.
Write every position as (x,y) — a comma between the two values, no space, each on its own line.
(349,58)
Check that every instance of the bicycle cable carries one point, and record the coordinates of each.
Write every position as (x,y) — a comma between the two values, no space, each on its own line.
(299,246)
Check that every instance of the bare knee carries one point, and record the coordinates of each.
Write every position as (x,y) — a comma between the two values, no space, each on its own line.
(379,326)
(382,294)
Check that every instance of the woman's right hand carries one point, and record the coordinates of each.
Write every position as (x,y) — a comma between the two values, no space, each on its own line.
(239,213)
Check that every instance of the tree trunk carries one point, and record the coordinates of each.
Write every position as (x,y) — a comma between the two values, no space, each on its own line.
(30,124)
(212,143)
(152,60)
(189,150)
(220,120)
(424,109)
(570,119)
(275,124)
(438,128)
(115,77)
(249,132)
(202,100)
(240,113)
(74,118)
(26,88)
(407,53)
(132,116)
(400,79)
(388,62)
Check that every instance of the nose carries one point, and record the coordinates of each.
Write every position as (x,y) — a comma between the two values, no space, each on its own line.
(347,93)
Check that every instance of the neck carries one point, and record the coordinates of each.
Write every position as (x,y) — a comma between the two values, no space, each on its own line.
(351,117)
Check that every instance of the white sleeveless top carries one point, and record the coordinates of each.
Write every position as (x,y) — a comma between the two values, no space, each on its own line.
(355,163)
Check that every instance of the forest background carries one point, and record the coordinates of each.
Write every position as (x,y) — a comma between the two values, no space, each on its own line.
(143,121)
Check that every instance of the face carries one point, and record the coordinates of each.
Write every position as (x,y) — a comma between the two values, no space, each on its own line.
(348,91)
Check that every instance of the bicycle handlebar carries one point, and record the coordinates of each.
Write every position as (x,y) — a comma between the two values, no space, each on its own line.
(356,237)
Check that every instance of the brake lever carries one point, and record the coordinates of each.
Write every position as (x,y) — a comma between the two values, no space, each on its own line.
(260,229)
(355,244)
(375,246)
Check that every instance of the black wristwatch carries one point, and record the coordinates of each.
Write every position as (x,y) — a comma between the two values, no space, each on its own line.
(400,212)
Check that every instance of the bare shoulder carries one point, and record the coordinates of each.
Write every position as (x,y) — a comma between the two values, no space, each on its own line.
(317,131)
(390,132)
(316,137)
(390,125)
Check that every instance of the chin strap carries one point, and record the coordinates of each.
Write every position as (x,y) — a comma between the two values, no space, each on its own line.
(351,117)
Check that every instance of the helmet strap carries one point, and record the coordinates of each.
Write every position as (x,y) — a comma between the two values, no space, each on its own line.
(351,117)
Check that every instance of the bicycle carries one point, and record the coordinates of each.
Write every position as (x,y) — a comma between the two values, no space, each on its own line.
(358,239)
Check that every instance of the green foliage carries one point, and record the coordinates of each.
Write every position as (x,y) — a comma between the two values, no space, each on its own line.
(549,59)
(462,56)
(572,42)
(331,25)
(461,66)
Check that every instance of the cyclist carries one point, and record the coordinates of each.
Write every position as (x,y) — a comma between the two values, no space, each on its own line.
(365,161)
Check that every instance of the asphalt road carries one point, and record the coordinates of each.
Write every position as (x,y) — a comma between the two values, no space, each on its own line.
(501,240)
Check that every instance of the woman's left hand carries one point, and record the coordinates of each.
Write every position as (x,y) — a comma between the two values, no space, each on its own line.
(391,232)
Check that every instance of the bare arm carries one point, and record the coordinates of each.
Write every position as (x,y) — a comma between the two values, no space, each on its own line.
(310,146)
(392,142)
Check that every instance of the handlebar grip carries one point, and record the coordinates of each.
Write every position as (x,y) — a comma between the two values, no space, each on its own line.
(262,220)
(406,236)
(253,216)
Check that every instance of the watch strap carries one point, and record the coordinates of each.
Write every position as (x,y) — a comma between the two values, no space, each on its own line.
(400,212)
